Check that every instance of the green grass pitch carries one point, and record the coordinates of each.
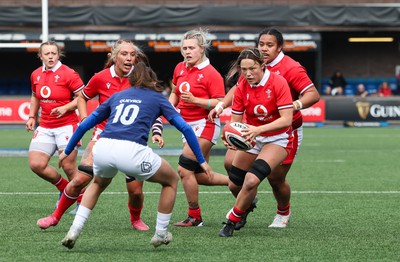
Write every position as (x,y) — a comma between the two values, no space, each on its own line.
(345,197)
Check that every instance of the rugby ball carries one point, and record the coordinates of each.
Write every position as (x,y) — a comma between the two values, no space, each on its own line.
(234,136)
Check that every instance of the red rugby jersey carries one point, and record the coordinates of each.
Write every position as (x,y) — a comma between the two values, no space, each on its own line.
(297,78)
(261,104)
(104,84)
(203,81)
(56,87)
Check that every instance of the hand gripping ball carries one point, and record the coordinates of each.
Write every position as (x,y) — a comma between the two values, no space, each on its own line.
(234,136)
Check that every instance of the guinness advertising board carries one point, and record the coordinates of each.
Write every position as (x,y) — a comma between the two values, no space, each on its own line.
(366,109)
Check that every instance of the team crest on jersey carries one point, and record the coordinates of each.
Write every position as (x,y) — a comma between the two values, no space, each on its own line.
(277,72)
(108,84)
(200,76)
(146,167)
(184,87)
(66,138)
(56,77)
(181,73)
(261,112)
(38,78)
(268,92)
(45,91)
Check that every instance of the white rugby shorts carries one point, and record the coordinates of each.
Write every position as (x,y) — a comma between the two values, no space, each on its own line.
(284,140)
(48,140)
(206,129)
(131,158)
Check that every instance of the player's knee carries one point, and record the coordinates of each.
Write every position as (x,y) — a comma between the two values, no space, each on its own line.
(136,196)
(228,161)
(88,170)
(135,191)
(227,166)
(276,180)
(237,175)
(37,167)
(260,169)
(188,163)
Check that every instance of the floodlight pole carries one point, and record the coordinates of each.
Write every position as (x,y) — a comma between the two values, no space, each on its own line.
(45,21)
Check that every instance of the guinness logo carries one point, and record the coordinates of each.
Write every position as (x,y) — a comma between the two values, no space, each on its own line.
(363,109)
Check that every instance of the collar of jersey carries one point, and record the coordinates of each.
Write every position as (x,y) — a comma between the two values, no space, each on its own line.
(202,64)
(114,74)
(276,60)
(264,80)
(54,68)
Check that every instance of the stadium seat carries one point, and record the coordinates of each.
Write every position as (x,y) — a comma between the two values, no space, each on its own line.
(349,90)
(372,88)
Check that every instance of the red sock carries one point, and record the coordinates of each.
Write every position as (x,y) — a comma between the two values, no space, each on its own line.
(61,184)
(65,202)
(283,211)
(80,195)
(135,212)
(236,215)
(195,212)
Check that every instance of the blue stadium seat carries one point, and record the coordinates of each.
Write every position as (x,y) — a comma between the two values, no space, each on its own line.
(349,90)
(324,86)
(372,88)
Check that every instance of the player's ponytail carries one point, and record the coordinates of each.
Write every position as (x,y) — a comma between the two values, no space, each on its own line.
(144,76)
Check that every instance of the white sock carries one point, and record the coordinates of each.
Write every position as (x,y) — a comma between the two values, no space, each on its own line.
(81,216)
(162,222)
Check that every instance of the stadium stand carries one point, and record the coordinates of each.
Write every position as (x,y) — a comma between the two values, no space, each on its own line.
(371,84)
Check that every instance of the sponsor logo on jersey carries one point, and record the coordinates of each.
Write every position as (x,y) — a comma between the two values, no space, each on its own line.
(261,112)
(45,91)
(184,87)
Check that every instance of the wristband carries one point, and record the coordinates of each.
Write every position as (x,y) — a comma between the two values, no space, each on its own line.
(83,119)
(219,105)
(300,105)
(209,104)
(31,117)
